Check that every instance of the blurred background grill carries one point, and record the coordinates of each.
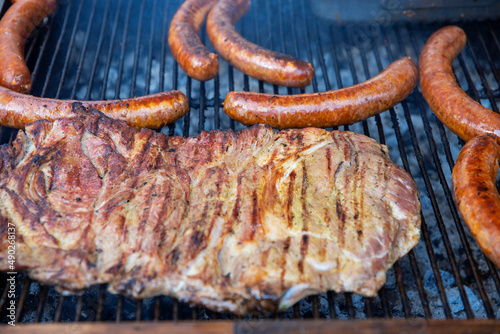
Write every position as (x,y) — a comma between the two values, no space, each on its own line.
(95,50)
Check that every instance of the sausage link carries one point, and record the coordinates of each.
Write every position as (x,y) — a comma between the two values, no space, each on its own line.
(476,193)
(333,108)
(15,27)
(192,56)
(266,65)
(461,114)
(152,111)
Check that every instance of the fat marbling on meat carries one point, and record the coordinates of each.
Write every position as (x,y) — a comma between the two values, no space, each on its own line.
(247,221)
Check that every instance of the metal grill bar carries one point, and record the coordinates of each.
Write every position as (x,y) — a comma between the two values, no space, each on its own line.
(157,311)
(56,51)
(79,306)
(58,314)
(385,303)
(70,49)
(350,308)
(123,45)
(110,53)
(494,36)
(150,50)
(175,67)
(41,304)
(257,39)
(119,308)
(295,39)
(480,71)
(98,50)
(487,54)
(100,302)
(137,48)
(138,313)
(310,59)
(32,46)
(47,33)
(22,298)
(84,49)
(331,304)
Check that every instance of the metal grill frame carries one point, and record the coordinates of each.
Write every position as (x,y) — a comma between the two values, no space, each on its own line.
(430,156)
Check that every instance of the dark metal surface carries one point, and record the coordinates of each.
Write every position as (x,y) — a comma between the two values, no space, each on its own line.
(405,10)
(116,49)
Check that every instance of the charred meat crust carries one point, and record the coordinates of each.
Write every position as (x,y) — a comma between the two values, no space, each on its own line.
(248,221)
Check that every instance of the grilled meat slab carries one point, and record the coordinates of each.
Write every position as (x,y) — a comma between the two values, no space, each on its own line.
(246,221)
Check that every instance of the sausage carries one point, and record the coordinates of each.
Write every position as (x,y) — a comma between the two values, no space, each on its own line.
(193,57)
(461,114)
(152,111)
(333,108)
(265,65)
(15,27)
(476,194)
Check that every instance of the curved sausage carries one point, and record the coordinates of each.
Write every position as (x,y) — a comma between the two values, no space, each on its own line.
(266,65)
(461,114)
(333,108)
(15,27)
(476,193)
(192,56)
(152,111)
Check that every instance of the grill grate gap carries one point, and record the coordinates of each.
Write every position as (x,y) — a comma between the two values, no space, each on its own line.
(487,54)
(480,71)
(64,70)
(83,51)
(56,50)
(98,52)
(22,299)
(137,49)
(41,303)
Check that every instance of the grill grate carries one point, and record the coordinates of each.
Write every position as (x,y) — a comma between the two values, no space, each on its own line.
(115,49)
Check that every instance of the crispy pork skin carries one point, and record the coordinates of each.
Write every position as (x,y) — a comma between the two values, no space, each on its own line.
(248,221)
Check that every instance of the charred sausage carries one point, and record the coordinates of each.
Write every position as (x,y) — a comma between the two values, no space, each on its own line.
(192,56)
(15,27)
(332,108)
(461,114)
(266,65)
(152,111)
(476,193)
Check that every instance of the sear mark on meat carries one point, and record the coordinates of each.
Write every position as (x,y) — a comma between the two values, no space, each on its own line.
(248,221)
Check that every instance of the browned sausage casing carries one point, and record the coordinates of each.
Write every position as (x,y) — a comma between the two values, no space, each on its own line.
(15,27)
(192,56)
(476,193)
(152,111)
(265,65)
(461,114)
(333,108)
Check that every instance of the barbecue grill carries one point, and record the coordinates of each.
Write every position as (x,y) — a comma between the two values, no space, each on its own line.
(95,50)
